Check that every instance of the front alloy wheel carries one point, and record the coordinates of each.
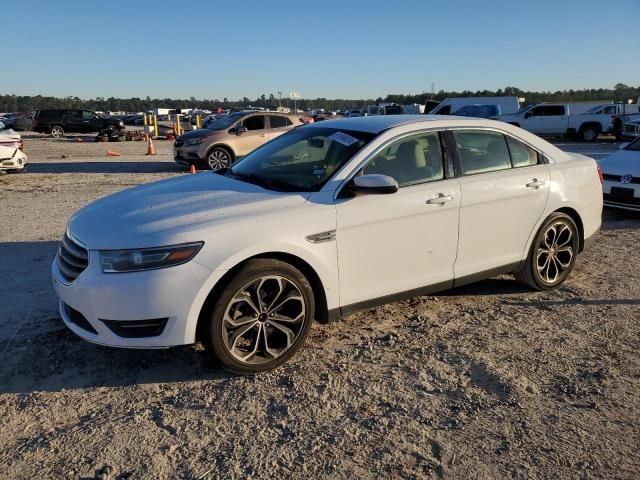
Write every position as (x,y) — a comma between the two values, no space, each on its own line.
(552,255)
(218,158)
(262,318)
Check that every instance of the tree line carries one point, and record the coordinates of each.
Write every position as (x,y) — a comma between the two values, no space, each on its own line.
(17,103)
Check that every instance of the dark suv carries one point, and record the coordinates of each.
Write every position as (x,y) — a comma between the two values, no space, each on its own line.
(57,122)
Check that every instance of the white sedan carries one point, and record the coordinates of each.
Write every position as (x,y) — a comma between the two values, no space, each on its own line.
(621,173)
(325,220)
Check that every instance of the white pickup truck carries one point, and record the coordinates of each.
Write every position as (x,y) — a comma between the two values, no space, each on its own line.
(585,120)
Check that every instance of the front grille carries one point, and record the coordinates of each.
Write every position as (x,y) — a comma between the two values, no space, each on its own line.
(78,319)
(618,178)
(632,128)
(72,259)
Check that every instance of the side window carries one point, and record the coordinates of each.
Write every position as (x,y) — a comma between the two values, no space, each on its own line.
(74,115)
(411,160)
(86,115)
(254,123)
(481,151)
(548,111)
(610,110)
(446,110)
(276,121)
(521,154)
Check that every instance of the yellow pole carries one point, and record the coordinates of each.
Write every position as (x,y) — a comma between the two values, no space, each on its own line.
(155,125)
(144,122)
(198,121)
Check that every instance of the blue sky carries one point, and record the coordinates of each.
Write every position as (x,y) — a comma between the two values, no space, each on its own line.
(332,49)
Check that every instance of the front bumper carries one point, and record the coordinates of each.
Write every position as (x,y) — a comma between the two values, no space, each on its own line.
(188,155)
(613,199)
(168,298)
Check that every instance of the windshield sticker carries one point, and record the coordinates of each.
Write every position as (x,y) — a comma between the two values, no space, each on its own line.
(343,138)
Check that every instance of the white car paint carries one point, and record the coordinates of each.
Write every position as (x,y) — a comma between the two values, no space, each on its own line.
(621,171)
(384,245)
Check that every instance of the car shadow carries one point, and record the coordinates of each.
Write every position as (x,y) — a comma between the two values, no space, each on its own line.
(492,286)
(106,167)
(39,353)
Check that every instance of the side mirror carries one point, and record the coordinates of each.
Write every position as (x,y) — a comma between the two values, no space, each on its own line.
(528,114)
(372,184)
(241,130)
(624,145)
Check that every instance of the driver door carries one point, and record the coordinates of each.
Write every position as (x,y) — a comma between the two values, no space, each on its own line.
(256,135)
(396,244)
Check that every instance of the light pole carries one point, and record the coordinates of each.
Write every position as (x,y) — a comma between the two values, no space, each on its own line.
(279,99)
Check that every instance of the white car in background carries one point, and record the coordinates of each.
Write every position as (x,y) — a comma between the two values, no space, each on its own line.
(325,220)
(10,138)
(621,174)
(12,160)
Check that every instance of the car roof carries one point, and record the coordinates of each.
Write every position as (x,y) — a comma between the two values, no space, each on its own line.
(379,123)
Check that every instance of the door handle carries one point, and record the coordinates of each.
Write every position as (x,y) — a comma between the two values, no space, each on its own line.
(535,183)
(441,199)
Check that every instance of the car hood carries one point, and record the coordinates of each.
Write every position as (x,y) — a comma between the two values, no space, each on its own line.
(622,162)
(199,133)
(174,211)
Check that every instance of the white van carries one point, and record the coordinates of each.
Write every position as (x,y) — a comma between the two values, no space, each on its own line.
(450,105)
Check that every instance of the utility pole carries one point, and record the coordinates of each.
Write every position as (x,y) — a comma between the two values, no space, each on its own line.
(279,99)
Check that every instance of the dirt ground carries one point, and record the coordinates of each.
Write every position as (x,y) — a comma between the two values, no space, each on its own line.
(486,381)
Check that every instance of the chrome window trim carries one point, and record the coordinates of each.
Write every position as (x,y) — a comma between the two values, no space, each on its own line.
(541,155)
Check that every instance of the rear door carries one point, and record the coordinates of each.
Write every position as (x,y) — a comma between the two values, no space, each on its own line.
(256,134)
(547,119)
(74,121)
(278,124)
(504,186)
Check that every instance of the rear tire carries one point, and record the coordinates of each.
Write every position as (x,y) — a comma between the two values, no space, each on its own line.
(56,131)
(552,255)
(261,318)
(589,133)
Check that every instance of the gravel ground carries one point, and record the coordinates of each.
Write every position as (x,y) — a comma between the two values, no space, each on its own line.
(485,381)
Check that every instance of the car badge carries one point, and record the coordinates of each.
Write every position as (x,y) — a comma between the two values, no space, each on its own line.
(626,178)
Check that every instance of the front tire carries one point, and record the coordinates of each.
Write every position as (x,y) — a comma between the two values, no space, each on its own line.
(261,318)
(552,255)
(218,158)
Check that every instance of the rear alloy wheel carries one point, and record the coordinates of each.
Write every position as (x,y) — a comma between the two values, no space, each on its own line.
(589,134)
(218,158)
(552,255)
(57,131)
(262,318)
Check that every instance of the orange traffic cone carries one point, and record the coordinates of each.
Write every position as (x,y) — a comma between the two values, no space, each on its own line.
(192,168)
(111,153)
(150,149)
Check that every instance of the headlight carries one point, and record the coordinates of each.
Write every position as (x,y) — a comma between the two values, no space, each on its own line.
(194,141)
(115,261)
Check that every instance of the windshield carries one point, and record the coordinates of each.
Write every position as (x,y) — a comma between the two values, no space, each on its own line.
(302,160)
(225,121)
(634,146)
